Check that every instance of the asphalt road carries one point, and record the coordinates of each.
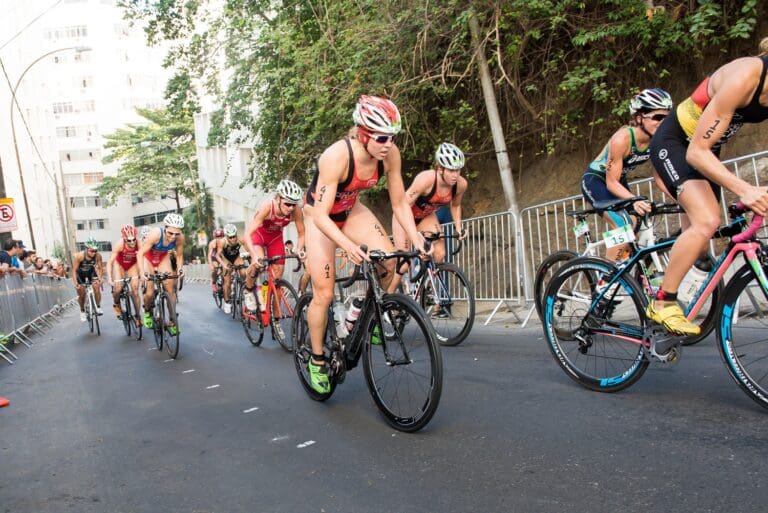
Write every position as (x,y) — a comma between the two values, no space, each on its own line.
(106,424)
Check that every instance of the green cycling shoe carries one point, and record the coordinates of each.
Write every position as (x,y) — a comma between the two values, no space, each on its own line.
(318,377)
(148,322)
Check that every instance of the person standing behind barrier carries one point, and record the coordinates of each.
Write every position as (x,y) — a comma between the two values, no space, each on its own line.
(606,176)
(429,191)
(88,265)
(685,154)
(10,249)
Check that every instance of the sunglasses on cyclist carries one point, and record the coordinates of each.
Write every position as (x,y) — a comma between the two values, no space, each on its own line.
(130,240)
(655,117)
(172,234)
(290,205)
(383,139)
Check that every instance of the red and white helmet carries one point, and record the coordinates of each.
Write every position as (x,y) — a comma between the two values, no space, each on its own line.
(218,233)
(378,115)
(128,231)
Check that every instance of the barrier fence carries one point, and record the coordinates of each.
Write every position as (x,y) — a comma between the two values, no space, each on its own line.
(500,253)
(30,305)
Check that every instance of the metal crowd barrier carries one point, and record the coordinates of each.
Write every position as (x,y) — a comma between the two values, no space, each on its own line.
(30,305)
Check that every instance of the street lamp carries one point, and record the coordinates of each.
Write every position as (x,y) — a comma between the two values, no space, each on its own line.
(77,49)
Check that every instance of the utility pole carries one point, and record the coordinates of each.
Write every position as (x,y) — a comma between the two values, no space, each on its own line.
(502,157)
(4,236)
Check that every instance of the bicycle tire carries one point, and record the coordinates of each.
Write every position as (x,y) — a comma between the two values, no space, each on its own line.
(252,325)
(544,273)
(158,320)
(302,349)
(743,319)
(90,313)
(236,300)
(233,298)
(411,361)
(125,313)
(172,342)
(590,353)
(95,315)
(452,314)
(281,309)
(218,294)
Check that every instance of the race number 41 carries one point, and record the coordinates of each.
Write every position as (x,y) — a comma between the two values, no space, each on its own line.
(618,236)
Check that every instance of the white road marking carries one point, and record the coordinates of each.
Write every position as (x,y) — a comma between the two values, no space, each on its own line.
(249,410)
(305,444)
(168,360)
(188,371)
(212,386)
(279,438)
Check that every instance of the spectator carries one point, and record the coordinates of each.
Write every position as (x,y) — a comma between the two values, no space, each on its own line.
(10,252)
(39,266)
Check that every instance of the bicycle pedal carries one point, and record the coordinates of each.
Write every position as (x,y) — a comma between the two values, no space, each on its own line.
(662,345)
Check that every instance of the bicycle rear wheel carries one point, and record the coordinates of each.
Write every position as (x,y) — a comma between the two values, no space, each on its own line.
(404,372)
(449,303)
(282,305)
(742,334)
(598,345)
(302,348)
(544,273)
(171,338)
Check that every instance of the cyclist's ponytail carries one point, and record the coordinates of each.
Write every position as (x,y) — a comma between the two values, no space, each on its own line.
(763,47)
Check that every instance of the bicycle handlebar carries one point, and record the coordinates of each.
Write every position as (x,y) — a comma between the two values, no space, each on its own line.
(433,236)
(757,222)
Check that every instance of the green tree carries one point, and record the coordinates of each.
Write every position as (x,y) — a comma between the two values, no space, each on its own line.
(156,158)
(563,71)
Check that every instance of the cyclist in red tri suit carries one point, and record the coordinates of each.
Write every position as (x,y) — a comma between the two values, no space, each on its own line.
(153,257)
(265,231)
(213,258)
(336,219)
(430,190)
(685,154)
(123,263)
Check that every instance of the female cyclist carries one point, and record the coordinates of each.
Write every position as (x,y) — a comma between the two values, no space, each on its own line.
(336,219)
(685,154)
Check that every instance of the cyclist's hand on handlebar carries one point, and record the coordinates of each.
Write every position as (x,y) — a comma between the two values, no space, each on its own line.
(642,207)
(756,198)
(355,254)
(302,254)
(424,246)
(462,234)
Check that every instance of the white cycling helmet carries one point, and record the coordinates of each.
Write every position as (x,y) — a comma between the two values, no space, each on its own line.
(378,115)
(449,156)
(174,220)
(230,230)
(288,190)
(650,99)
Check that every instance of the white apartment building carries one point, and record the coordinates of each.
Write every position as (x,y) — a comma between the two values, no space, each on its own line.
(223,170)
(84,72)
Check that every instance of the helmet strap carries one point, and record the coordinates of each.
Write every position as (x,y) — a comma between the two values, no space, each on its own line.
(642,127)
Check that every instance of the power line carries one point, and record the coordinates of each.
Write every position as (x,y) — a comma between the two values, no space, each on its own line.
(17,34)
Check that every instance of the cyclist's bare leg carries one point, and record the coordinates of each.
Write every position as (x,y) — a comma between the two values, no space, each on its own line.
(133,272)
(363,227)
(227,280)
(149,291)
(117,274)
(321,267)
(304,281)
(215,271)
(97,294)
(81,297)
(616,253)
(703,213)
(278,270)
(430,224)
(253,269)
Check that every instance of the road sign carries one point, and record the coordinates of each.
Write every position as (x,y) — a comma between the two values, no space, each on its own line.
(202,239)
(7,216)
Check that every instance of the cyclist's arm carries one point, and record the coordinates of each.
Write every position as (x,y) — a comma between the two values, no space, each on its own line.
(456,204)
(75,267)
(400,206)
(211,245)
(180,240)
(421,185)
(298,218)
(258,219)
(99,267)
(150,241)
(118,247)
(618,148)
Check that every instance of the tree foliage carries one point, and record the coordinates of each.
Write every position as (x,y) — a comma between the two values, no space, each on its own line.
(563,69)
(157,157)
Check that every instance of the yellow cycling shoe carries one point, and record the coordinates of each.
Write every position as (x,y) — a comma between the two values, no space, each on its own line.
(671,317)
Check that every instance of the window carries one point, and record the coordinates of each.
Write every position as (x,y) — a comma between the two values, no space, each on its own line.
(93,177)
(151,218)
(77,155)
(83,82)
(62,107)
(74,179)
(85,201)
(92,224)
(76,131)
(72,32)
(80,225)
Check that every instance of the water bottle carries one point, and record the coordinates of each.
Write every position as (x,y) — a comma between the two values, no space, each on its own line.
(692,281)
(338,319)
(353,313)
(263,297)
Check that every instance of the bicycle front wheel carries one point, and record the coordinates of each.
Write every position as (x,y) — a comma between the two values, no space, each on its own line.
(218,294)
(282,305)
(597,343)
(742,334)
(158,319)
(253,325)
(544,273)
(172,329)
(404,370)
(90,312)
(95,316)
(302,348)
(125,313)
(449,302)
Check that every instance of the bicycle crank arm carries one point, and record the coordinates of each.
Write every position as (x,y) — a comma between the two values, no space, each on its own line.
(662,346)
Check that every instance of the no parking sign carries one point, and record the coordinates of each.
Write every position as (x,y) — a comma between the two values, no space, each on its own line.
(7,215)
